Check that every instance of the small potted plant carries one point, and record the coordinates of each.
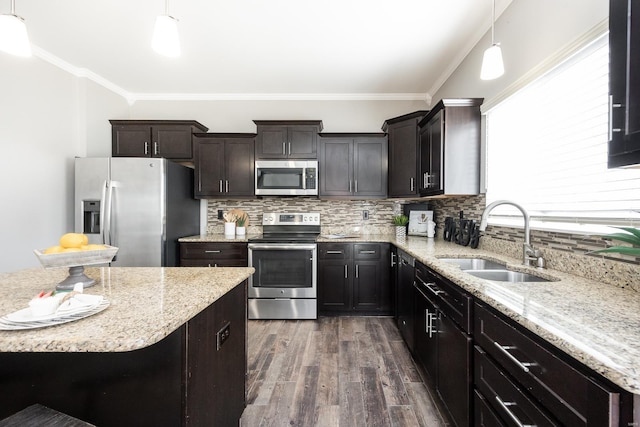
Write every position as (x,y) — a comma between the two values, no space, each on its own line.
(240,222)
(401,221)
(631,235)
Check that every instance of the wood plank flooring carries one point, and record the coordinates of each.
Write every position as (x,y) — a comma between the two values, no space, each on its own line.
(334,371)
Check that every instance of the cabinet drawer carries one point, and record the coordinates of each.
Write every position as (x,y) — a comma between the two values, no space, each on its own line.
(573,397)
(214,251)
(451,299)
(367,251)
(484,416)
(186,262)
(506,399)
(335,251)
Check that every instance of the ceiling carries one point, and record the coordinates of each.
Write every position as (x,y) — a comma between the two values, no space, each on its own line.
(239,49)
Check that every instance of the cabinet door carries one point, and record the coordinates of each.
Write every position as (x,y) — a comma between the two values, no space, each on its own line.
(403,159)
(131,140)
(171,142)
(431,160)
(367,284)
(370,168)
(454,376)
(209,167)
(406,276)
(239,167)
(334,285)
(302,142)
(426,333)
(271,142)
(336,167)
(624,83)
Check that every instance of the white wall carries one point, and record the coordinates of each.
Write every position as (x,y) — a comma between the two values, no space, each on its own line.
(529,32)
(237,116)
(47,115)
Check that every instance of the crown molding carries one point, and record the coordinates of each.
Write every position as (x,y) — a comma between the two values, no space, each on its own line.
(281,97)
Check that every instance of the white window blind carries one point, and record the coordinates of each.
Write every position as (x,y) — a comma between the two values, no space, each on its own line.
(547,150)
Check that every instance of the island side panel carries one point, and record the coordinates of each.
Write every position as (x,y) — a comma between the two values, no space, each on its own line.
(141,387)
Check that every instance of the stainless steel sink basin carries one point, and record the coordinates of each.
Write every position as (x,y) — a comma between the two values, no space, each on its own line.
(475,263)
(506,276)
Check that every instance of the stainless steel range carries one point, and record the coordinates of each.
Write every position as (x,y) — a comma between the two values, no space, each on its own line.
(284,285)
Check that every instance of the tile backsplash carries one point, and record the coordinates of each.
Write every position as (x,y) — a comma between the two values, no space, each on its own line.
(562,251)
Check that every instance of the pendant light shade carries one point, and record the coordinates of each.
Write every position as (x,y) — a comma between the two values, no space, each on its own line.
(492,63)
(166,40)
(13,34)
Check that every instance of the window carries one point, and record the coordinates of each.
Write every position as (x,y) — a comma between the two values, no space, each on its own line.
(547,150)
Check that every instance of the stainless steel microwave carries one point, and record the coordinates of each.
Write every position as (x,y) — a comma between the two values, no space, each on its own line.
(286,177)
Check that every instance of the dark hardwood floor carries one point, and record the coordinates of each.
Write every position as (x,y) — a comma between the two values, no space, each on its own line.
(334,371)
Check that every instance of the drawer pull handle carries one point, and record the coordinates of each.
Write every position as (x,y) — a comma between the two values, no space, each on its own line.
(505,406)
(435,291)
(334,252)
(367,252)
(212,252)
(504,349)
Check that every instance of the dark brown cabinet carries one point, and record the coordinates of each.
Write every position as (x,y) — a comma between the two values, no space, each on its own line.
(224,165)
(405,296)
(522,377)
(292,139)
(353,166)
(624,83)
(443,343)
(213,254)
(171,139)
(450,148)
(354,277)
(403,154)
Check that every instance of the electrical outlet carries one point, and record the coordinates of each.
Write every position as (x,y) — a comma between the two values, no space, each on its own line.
(220,214)
(365,214)
(223,335)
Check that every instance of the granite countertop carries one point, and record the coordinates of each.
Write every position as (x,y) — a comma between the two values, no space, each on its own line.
(146,305)
(595,323)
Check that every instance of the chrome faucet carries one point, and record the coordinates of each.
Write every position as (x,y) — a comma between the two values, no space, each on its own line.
(529,254)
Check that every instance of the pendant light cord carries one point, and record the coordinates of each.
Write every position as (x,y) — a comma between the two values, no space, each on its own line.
(493,22)
(13,7)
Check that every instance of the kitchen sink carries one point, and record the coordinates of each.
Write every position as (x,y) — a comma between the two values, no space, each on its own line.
(506,276)
(475,263)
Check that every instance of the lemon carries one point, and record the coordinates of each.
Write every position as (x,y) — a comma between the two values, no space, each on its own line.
(92,247)
(54,250)
(71,250)
(73,240)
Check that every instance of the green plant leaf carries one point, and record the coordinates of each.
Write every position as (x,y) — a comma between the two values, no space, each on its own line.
(634,231)
(627,238)
(625,250)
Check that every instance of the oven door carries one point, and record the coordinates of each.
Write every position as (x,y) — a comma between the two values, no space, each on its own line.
(283,270)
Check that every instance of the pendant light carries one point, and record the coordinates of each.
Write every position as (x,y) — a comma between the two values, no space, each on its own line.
(13,34)
(492,64)
(166,40)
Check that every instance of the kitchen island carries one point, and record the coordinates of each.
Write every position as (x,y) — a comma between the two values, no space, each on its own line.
(154,356)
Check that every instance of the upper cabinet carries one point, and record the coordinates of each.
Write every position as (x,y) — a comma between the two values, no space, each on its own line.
(171,139)
(403,154)
(450,148)
(224,165)
(291,139)
(624,84)
(353,166)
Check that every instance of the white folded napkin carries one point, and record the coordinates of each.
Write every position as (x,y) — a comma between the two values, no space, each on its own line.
(79,302)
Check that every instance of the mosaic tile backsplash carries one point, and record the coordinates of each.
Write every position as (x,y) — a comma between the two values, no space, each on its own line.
(562,251)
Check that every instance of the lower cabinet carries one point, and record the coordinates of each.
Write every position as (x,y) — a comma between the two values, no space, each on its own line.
(523,378)
(443,344)
(405,296)
(354,277)
(213,254)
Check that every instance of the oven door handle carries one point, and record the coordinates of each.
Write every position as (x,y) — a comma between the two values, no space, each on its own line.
(281,247)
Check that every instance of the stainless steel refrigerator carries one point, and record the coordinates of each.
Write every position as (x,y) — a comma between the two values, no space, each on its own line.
(140,205)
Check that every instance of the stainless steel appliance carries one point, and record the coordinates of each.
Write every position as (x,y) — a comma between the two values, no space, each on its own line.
(286,177)
(140,205)
(284,285)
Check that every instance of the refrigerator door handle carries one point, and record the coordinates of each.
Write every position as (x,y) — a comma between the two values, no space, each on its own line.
(109,213)
(103,201)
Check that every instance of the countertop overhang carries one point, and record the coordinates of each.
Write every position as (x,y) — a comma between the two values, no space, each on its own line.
(146,305)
